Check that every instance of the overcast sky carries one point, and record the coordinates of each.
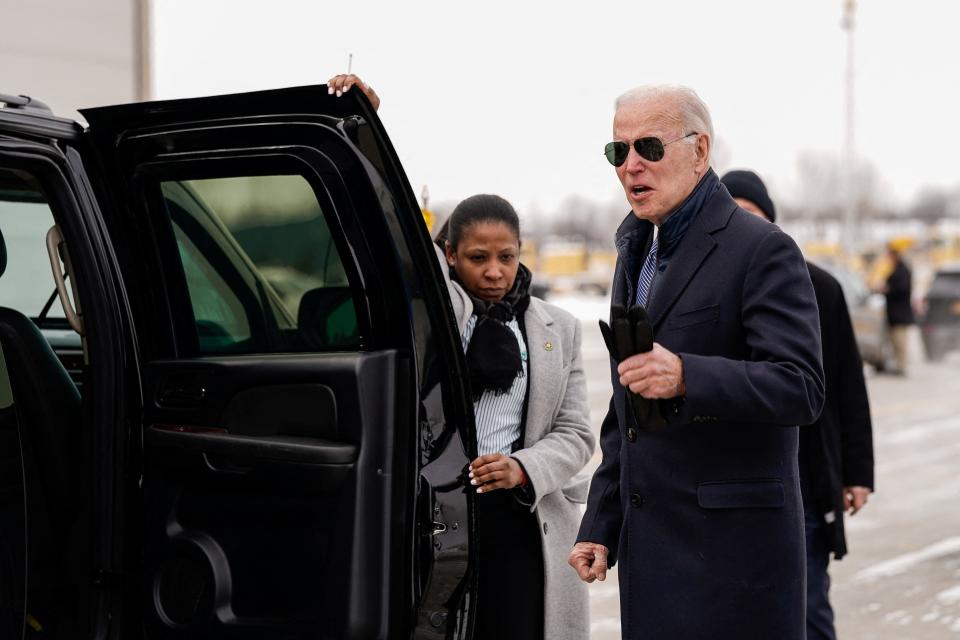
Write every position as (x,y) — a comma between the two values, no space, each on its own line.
(516,97)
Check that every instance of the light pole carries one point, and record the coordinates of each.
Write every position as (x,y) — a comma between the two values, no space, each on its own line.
(849,154)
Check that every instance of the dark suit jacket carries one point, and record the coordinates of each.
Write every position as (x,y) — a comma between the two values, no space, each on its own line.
(705,515)
(839,445)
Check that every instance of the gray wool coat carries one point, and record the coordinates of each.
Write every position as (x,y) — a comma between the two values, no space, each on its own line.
(557,445)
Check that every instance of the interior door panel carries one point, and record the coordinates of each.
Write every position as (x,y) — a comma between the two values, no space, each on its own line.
(290,456)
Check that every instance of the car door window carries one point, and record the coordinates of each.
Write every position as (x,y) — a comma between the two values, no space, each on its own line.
(25,218)
(26,281)
(262,269)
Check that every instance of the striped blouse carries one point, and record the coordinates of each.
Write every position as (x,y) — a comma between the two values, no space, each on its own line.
(498,417)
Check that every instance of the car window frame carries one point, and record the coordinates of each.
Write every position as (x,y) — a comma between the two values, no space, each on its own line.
(244,163)
(49,149)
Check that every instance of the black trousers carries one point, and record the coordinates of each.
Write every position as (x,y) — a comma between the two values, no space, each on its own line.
(510,579)
(819,611)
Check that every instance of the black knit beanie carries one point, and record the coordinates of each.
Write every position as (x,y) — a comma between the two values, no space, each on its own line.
(749,186)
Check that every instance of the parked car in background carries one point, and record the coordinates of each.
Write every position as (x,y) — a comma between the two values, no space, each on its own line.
(940,321)
(233,397)
(868,315)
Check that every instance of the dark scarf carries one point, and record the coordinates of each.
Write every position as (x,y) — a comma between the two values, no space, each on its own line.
(493,356)
(675,226)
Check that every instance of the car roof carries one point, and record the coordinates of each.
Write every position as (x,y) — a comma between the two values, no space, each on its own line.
(23,114)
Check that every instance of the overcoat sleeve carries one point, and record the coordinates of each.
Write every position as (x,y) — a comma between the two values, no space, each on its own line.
(604,515)
(780,379)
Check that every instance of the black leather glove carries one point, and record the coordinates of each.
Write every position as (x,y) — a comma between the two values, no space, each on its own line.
(629,334)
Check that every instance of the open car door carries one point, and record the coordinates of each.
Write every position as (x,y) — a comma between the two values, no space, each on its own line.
(305,427)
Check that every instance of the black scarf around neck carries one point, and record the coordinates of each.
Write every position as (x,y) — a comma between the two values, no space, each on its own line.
(493,356)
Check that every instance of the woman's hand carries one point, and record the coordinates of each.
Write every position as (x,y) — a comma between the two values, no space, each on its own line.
(342,83)
(495,471)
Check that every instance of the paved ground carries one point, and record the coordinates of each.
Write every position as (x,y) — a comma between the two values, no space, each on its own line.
(902,577)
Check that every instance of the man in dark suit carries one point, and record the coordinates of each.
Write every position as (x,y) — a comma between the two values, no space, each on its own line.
(898,290)
(704,514)
(836,451)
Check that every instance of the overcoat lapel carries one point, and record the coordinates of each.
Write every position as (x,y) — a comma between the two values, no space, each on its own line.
(545,357)
(694,248)
(630,239)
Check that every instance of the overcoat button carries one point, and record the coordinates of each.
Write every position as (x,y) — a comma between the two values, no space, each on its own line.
(544,528)
(632,434)
(636,500)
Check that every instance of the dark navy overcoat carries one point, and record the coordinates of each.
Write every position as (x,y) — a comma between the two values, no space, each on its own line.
(704,516)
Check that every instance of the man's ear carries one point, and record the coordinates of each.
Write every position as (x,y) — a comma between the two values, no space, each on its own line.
(451,254)
(703,152)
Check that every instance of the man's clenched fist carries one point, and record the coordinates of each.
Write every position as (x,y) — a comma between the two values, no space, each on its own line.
(590,561)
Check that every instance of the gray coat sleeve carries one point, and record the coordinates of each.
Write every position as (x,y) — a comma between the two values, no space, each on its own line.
(553,461)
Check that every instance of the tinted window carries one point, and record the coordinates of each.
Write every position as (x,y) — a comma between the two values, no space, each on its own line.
(27,283)
(262,269)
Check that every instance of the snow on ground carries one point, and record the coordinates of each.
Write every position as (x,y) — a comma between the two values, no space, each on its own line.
(585,307)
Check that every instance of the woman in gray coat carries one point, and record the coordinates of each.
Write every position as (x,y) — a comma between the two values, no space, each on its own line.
(533,424)
(533,429)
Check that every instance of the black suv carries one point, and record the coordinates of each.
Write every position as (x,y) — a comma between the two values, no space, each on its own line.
(232,397)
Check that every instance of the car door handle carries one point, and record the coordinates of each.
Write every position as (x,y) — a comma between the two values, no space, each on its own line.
(182,397)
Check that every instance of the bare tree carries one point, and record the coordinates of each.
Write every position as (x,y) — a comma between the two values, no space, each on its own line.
(931,205)
(819,193)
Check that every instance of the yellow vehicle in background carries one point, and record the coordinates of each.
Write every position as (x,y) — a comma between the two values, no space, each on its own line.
(566,266)
(945,250)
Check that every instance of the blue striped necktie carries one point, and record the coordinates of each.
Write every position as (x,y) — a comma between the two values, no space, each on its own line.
(646,274)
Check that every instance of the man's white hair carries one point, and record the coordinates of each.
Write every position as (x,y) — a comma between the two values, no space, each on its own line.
(692,113)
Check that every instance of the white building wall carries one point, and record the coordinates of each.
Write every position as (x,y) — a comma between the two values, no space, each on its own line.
(72,54)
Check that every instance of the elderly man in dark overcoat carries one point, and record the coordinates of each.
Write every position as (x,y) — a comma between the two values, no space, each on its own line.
(703,513)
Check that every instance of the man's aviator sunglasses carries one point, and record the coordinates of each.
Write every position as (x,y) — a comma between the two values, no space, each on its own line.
(650,149)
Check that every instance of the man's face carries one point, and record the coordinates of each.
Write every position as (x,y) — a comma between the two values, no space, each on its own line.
(655,189)
(751,207)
